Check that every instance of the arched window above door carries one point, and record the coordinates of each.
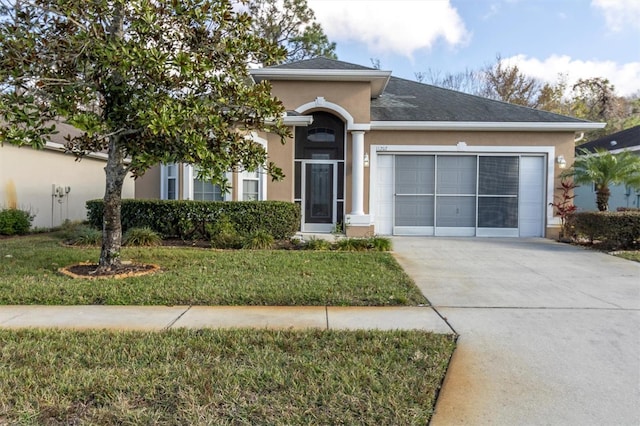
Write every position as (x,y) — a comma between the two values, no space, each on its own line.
(324,139)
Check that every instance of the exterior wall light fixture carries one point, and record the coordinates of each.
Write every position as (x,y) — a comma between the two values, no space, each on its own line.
(562,163)
(366,159)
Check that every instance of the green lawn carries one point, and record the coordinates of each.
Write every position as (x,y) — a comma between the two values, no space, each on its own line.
(629,255)
(28,275)
(221,377)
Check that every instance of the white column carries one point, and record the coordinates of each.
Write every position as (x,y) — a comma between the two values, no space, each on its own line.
(357,173)
(187,182)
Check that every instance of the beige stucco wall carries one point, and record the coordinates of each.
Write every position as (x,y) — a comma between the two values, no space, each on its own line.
(282,155)
(352,96)
(148,185)
(27,176)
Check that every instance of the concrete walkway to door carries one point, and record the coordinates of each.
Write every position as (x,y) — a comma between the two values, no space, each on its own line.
(549,333)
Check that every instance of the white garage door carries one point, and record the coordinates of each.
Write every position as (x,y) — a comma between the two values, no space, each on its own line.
(460,195)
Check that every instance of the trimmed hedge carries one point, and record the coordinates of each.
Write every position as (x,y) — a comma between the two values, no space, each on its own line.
(615,229)
(193,219)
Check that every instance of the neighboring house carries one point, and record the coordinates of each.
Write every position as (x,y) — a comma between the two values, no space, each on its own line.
(50,184)
(621,195)
(388,156)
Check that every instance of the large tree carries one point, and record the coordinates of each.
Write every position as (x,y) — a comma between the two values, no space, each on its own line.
(507,83)
(604,169)
(146,81)
(292,25)
(595,99)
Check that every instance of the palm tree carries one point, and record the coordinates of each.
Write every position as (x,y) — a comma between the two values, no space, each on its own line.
(603,169)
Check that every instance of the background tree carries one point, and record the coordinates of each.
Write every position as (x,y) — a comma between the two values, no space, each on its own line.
(499,81)
(467,81)
(146,81)
(595,99)
(632,108)
(591,99)
(604,169)
(507,83)
(292,25)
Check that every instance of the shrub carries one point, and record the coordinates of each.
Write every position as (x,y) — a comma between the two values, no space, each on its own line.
(84,235)
(15,222)
(141,237)
(364,244)
(69,229)
(258,240)
(192,219)
(380,244)
(614,229)
(224,234)
(353,244)
(564,206)
(317,244)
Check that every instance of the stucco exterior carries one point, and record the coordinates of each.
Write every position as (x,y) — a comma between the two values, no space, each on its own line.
(351,124)
(355,97)
(29,179)
(148,185)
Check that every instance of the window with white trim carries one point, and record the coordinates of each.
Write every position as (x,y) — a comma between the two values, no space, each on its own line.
(250,186)
(206,191)
(171,182)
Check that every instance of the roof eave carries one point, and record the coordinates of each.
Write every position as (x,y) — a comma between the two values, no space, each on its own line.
(487,126)
(58,147)
(377,78)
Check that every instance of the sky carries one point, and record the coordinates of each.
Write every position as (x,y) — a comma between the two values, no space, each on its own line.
(544,38)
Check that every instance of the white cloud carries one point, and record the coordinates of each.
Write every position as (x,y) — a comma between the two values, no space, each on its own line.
(620,14)
(625,77)
(398,27)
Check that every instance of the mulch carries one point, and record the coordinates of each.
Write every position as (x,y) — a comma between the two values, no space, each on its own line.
(89,271)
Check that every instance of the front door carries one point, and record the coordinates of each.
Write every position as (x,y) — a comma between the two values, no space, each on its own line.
(319,195)
(320,173)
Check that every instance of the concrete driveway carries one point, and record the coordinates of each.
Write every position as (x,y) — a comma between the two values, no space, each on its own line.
(549,333)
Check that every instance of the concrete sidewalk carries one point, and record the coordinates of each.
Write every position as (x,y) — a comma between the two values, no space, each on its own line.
(276,317)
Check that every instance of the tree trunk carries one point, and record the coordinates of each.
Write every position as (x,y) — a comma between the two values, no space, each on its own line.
(115,171)
(602,198)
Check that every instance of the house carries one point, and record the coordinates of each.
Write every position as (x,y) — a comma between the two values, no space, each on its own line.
(388,156)
(621,195)
(50,184)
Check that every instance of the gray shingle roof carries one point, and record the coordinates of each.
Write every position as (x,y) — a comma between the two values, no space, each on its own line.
(628,138)
(406,100)
(321,63)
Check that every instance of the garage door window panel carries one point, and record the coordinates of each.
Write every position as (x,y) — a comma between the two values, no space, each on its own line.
(456,191)
(498,183)
(414,189)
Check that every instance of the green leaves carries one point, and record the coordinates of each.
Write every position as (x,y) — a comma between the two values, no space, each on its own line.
(604,169)
(175,81)
(292,25)
(151,80)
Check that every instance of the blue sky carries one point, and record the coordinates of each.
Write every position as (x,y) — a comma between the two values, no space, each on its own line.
(579,38)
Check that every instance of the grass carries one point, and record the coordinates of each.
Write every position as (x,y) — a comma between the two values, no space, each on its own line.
(28,275)
(629,255)
(221,377)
